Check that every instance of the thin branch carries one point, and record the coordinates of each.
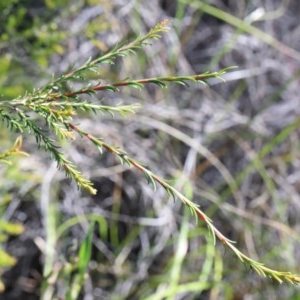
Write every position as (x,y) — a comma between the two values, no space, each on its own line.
(195,209)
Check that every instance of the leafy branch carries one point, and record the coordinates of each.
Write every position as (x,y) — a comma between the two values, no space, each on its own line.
(57,103)
(195,209)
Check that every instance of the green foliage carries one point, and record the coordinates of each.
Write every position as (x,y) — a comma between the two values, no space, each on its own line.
(9,228)
(26,32)
(55,106)
(84,257)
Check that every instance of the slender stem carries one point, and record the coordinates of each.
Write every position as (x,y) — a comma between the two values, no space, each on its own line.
(257,266)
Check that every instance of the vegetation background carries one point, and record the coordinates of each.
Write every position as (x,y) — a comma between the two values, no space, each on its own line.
(232,147)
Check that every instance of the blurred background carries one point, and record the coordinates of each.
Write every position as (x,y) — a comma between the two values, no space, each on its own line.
(232,147)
